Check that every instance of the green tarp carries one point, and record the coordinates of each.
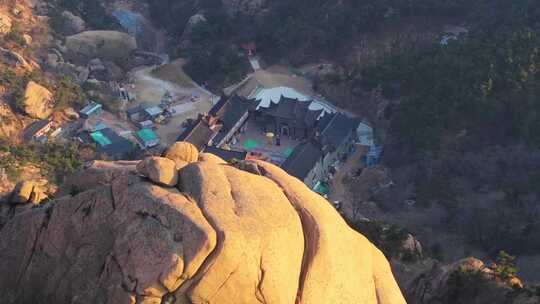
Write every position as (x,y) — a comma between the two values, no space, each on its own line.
(147,135)
(100,138)
(250,144)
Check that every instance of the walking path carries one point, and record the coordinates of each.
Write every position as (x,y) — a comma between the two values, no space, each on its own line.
(337,187)
(254,61)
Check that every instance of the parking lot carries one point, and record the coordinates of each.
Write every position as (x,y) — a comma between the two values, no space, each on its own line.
(188,100)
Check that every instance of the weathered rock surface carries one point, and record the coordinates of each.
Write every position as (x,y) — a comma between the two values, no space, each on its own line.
(10,125)
(68,69)
(27,39)
(38,101)
(466,281)
(160,170)
(211,158)
(114,72)
(182,153)
(72,24)
(5,24)
(229,237)
(193,22)
(413,247)
(107,45)
(333,251)
(28,192)
(14,59)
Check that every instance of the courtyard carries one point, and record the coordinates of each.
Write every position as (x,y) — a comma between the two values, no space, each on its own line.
(253,139)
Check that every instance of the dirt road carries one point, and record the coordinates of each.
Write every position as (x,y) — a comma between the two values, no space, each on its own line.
(151,83)
(150,89)
(277,76)
(338,190)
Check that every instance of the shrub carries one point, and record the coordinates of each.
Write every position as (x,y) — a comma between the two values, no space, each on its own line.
(8,77)
(464,285)
(67,93)
(506,266)
(16,35)
(388,238)
(55,160)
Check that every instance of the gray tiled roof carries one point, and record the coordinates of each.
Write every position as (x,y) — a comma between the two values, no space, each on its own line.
(199,134)
(303,159)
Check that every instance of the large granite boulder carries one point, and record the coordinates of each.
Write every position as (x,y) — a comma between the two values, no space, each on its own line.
(160,170)
(229,236)
(38,101)
(182,153)
(107,45)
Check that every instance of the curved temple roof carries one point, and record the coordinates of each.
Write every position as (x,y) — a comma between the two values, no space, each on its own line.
(266,97)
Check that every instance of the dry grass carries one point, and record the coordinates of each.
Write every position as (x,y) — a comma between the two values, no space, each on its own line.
(174,72)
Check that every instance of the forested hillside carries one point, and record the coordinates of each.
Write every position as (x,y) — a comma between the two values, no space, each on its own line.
(465,116)
(290,31)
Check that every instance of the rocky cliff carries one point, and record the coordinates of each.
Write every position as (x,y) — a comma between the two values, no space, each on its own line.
(217,233)
(466,281)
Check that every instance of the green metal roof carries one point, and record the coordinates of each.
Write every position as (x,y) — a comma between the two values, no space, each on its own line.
(147,135)
(101,139)
(321,188)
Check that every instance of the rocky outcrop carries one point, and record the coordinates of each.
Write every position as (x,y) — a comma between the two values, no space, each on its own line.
(413,247)
(10,125)
(54,57)
(68,69)
(5,24)
(159,170)
(28,192)
(114,72)
(27,39)
(465,281)
(38,101)
(105,71)
(182,153)
(72,24)
(14,59)
(107,45)
(193,22)
(224,236)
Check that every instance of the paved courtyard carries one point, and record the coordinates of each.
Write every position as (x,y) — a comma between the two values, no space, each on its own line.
(254,139)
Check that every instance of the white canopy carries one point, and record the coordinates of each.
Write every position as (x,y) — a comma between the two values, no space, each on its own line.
(266,97)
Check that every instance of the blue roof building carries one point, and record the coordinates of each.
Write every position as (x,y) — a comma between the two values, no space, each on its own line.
(373,156)
(153,111)
(92,109)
